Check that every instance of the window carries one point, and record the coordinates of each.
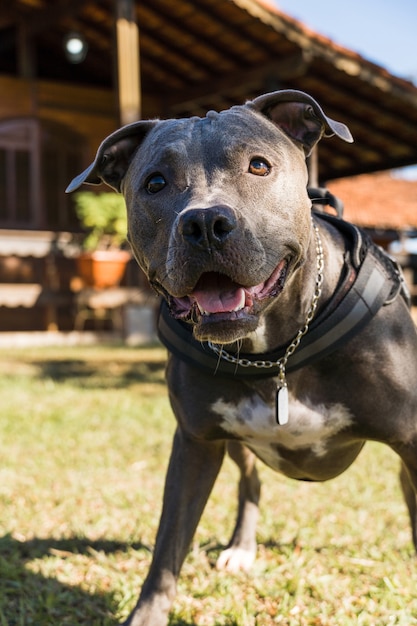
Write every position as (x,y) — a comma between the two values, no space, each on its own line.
(37,160)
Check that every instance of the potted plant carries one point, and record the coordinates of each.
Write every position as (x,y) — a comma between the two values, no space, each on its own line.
(103,218)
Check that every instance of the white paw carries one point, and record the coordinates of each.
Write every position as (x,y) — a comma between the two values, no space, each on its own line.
(235,559)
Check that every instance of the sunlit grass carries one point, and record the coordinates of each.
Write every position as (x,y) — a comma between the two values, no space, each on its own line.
(85,435)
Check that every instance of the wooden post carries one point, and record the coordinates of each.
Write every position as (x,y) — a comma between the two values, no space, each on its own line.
(313,168)
(25,53)
(128,72)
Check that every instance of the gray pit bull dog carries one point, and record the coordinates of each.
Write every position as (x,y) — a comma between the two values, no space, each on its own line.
(289,332)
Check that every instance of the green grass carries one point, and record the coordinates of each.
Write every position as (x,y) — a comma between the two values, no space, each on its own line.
(84,443)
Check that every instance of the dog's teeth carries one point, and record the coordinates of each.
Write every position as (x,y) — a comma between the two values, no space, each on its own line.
(202,311)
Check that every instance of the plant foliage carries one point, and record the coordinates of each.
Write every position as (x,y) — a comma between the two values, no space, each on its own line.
(103,216)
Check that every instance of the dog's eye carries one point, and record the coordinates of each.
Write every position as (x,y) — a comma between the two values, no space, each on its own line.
(259,167)
(155,183)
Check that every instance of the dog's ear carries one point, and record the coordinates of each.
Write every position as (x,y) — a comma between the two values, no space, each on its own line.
(114,156)
(300,117)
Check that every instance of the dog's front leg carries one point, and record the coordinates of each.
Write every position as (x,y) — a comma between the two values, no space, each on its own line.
(192,470)
(241,551)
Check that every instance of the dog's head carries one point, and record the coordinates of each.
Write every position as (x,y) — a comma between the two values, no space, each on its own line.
(218,211)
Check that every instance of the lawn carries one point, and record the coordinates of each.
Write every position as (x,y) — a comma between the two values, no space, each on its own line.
(85,439)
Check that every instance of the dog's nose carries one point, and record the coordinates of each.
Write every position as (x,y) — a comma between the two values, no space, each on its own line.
(207,227)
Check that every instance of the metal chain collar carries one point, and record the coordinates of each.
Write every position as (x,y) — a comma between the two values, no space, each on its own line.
(282,362)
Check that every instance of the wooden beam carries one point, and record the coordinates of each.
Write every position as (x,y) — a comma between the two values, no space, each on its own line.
(313,168)
(128,72)
(40,19)
(268,78)
(26,53)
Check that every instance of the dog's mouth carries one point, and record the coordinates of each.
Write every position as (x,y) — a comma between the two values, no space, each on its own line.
(216,297)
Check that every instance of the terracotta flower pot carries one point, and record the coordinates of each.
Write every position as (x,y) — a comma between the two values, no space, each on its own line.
(102,268)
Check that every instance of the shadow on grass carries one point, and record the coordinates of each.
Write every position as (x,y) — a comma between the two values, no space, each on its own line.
(29,598)
(86,374)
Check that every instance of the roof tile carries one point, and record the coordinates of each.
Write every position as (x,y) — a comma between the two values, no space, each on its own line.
(380,200)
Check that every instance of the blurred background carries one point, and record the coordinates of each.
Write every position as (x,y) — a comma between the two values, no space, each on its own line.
(72,72)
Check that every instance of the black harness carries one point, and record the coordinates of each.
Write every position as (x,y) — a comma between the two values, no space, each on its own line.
(371,279)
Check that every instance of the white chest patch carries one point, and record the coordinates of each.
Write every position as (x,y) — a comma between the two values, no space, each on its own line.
(258,338)
(308,426)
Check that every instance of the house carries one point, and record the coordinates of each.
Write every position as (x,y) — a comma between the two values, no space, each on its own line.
(385,205)
(147,59)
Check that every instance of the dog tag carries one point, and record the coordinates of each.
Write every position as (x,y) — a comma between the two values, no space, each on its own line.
(281,405)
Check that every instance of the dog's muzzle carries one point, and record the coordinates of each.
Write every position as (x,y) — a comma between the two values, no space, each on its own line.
(217,295)
(219,260)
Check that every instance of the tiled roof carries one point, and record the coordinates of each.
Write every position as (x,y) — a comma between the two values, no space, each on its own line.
(379,200)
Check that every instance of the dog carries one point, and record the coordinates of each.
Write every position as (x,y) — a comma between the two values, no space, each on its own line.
(289,333)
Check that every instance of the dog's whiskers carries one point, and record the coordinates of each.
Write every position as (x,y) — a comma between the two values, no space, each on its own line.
(219,358)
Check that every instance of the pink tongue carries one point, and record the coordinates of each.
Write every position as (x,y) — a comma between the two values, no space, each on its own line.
(217,294)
